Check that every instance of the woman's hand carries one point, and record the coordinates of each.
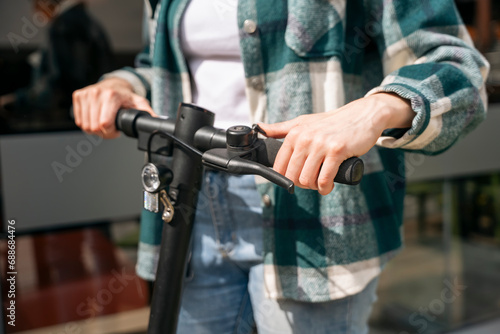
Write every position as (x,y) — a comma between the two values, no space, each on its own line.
(316,144)
(95,107)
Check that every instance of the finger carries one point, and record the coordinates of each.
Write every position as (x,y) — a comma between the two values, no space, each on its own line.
(76,108)
(295,165)
(310,172)
(283,157)
(94,117)
(110,134)
(279,130)
(140,103)
(327,173)
(91,115)
(84,111)
(107,118)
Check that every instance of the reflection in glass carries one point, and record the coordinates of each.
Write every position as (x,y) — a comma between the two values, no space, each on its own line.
(76,54)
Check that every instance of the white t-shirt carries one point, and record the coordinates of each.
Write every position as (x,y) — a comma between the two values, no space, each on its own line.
(210,42)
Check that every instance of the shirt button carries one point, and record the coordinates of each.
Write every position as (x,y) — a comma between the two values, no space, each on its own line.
(249,26)
(266,199)
(257,84)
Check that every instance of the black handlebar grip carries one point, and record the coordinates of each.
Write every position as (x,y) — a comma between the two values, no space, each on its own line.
(125,121)
(350,171)
(266,153)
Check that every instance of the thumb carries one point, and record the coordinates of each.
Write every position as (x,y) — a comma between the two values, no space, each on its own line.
(140,103)
(278,130)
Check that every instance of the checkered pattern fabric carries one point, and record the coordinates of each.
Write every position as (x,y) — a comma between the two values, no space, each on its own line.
(311,56)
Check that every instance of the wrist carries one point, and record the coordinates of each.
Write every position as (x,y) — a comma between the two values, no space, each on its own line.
(392,111)
(117,83)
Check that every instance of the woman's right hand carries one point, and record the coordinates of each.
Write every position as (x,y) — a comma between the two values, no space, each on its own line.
(95,107)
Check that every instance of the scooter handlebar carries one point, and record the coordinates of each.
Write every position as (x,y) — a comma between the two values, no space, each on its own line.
(133,122)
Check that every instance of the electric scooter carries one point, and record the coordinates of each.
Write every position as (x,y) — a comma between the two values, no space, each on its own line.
(177,150)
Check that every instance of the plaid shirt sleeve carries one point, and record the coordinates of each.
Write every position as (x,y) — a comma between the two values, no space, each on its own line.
(141,76)
(428,58)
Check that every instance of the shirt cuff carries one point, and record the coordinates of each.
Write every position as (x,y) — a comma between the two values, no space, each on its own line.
(408,138)
(130,77)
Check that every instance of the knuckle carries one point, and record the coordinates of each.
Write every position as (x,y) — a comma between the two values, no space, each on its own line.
(319,146)
(307,139)
(94,128)
(336,148)
(93,92)
(105,94)
(306,180)
(106,123)
(294,133)
(296,130)
(110,94)
(325,190)
(141,99)
(324,182)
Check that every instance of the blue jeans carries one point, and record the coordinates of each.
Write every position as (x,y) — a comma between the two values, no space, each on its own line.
(224,291)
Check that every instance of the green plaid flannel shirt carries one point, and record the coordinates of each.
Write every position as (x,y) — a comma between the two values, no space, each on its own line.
(310,56)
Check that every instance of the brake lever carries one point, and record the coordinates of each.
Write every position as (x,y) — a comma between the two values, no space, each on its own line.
(241,156)
(236,163)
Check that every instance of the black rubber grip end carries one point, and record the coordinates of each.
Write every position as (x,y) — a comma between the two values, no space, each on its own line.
(125,121)
(350,171)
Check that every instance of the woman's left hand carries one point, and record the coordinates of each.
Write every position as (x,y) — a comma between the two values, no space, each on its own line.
(316,144)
